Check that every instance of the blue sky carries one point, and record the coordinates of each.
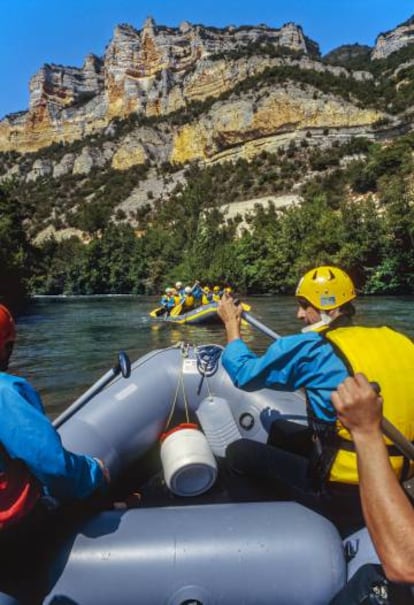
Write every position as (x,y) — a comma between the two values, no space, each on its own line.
(34,32)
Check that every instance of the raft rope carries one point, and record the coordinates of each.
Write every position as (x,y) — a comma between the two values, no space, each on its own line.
(207,360)
(185,349)
(207,357)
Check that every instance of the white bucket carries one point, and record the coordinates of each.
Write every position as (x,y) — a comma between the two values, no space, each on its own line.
(188,463)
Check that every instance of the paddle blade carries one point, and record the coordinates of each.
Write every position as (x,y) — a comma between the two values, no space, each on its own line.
(176,310)
(157,312)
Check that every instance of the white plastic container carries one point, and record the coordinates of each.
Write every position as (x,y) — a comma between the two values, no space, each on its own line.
(188,463)
(218,423)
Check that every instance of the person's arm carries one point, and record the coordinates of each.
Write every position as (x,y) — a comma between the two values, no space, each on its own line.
(388,513)
(230,315)
(27,434)
(289,363)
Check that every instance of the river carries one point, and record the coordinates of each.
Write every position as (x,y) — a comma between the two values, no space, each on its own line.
(65,344)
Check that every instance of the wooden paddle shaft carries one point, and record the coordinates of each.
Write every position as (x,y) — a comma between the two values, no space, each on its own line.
(399,440)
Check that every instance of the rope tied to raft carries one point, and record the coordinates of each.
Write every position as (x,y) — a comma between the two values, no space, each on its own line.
(207,361)
(207,357)
(184,349)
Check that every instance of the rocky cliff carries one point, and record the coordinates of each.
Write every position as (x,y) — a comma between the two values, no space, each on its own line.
(150,72)
(158,70)
(392,41)
(240,126)
(174,95)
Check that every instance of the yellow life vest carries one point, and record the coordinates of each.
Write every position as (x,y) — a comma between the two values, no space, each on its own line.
(189,301)
(386,357)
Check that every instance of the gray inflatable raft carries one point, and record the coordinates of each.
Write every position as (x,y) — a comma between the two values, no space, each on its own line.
(199,540)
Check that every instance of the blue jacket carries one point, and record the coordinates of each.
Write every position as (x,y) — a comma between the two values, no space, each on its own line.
(197,292)
(27,434)
(168,302)
(300,361)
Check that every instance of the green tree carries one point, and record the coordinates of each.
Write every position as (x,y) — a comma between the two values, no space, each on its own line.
(15,253)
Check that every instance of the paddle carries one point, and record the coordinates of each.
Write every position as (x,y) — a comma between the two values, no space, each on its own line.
(389,430)
(401,442)
(158,311)
(122,367)
(256,323)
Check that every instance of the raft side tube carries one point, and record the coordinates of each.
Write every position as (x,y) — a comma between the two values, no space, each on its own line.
(200,315)
(6,599)
(125,420)
(360,547)
(253,411)
(219,554)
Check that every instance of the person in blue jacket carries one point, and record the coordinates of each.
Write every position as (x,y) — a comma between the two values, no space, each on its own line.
(291,460)
(38,476)
(197,293)
(28,437)
(167,300)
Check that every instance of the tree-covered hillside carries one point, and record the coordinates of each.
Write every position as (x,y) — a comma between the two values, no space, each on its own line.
(357,212)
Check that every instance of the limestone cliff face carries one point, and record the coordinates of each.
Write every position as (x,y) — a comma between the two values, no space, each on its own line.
(394,40)
(238,127)
(159,70)
(247,126)
(150,72)
(140,146)
(63,86)
(65,104)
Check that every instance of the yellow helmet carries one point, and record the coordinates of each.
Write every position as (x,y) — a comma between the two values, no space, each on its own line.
(326,288)
(216,289)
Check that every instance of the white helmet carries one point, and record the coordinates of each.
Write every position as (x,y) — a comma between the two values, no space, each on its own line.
(179,285)
(188,289)
(168,290)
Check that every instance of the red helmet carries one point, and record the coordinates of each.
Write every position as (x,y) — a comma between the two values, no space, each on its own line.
(7,327)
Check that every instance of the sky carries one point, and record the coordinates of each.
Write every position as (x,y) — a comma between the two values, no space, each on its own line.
(34,32)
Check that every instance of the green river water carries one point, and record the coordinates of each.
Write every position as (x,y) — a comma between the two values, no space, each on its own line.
(65,344)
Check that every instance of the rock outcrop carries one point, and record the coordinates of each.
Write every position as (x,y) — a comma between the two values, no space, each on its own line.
(390,42)
(63,86)
(250,125)
(164,97)
(158,72)
(241,126)
(151,72)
